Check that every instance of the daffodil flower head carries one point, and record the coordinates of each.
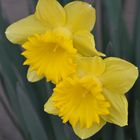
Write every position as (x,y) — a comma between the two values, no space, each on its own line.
(54,31)
(51,54)
(74,98)
(94,95)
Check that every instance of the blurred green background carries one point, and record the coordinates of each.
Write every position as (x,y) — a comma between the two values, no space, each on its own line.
(117,33)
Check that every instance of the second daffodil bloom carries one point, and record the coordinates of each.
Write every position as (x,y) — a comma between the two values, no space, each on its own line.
(52,37)
(94,95)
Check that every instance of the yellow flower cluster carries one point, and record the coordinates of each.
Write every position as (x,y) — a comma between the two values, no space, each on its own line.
(58,45)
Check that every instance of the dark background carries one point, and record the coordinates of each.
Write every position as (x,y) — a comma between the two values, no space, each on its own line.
(22,117)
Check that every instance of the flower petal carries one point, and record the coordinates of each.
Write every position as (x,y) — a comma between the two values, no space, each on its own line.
(80,16)
(118,110)
(85,133)
(50,13)
(85,44)
(90,66)
(50,108)
(21,30)
(119,75)
(32,76)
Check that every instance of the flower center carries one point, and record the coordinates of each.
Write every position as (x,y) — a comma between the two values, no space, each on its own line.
(80,100)
(51,54)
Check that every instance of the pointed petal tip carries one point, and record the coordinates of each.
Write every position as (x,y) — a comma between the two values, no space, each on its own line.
(102,54)
(8,35)
(45,109)
(120,124)
(50,108)
(85,133)
(33,77)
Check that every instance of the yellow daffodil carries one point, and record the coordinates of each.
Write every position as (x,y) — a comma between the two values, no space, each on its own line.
(52,37)
(94,95)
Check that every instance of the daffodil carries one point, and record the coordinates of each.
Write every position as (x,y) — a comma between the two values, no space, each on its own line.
(94,95)
(52,37)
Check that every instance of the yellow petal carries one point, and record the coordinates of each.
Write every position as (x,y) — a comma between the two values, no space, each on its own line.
(19,31)
(32,76)
(50,13)
(85,133)
(80,16)
(90,66)
(85,44)
(119,75)
(50,108)
(118,110)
